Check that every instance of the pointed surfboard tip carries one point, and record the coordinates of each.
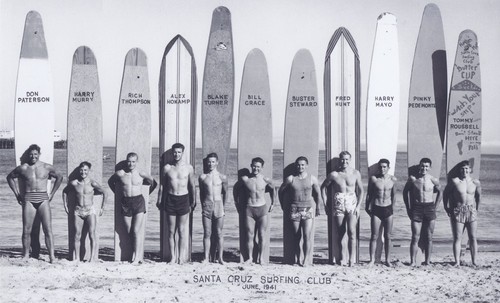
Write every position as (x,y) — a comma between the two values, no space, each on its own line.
(33,45)
(222,10)
(136,57)
(84,56)
(387,18)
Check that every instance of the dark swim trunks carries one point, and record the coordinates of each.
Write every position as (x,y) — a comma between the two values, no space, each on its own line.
(256,212)
(176,205)
(133,205)
(423,212)
(36,198)
(382,212)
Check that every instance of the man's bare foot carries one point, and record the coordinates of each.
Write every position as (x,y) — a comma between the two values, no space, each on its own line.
(371,263)
(52,259)
(220,261)
(425,263)
(205,261)
(413,264)
(456,264)
(387,263)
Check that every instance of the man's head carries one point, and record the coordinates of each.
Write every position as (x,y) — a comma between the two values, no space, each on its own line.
(465,168)
(84,169)
(424,166)
(34,153)
(257,165)
(344,159)
(132,159)
(212,161)
(301,164)
(177,151)
(383,166)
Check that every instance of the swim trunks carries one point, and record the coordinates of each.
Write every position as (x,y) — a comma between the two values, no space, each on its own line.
(212,210)
(256,212)
(465,214)
(423,212)
(84,212)
(344,204)
(133,205)
(382,212)
(36,198)
(176,205)
(298,214)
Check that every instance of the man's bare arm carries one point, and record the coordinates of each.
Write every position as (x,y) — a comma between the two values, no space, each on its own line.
(406,192)
(323,190)
(192,189)
(11,180)
(368,196)
(149,180)
(359,191)
(477,194)
(437,190)
(65,197)
(59,178)
(224,189)
(99,190)
(316,194)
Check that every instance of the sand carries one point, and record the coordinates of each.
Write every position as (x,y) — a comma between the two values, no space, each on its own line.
(154,281)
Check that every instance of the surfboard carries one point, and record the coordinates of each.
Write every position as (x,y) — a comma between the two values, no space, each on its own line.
(84,138)
(428,94)
(342,88)
(428,97)
(464,109)
(382,110)
(133,134)
(34,102)
(218,89)
(177,101)
(301,136)
(255,136)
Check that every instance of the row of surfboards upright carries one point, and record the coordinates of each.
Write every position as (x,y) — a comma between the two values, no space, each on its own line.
(431,114)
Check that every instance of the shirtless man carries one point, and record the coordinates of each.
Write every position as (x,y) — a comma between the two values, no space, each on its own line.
(347,192)
(421,205)
(213,196)
(177,193)
(379,205)
(33,178)
(249,197)
(303,206)
(127,184)
(461,202)
(82,191)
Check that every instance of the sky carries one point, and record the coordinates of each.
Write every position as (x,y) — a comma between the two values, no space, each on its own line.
(278,27)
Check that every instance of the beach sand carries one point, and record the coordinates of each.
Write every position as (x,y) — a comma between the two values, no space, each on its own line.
(154,281)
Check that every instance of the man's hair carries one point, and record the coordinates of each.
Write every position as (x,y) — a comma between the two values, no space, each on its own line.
(85,163)
(259,160)
(34,147)
(212,155)
(343,153)
(383,160)
(301,158)
(426,160)
(464,163)
(178,145)
(132,154)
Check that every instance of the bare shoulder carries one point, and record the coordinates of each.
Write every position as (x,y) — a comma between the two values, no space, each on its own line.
(202,177)
(394,179)
(223,177)
(268,180)
(476,182)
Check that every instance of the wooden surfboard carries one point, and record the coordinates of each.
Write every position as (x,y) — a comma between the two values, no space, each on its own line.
(428,94)
(84,133)
(301,132)
(464,110)
(218,89)
(342,85)
(382,117)
(177,101)
(34,102)
(133,134)
(428,97)
(255,137)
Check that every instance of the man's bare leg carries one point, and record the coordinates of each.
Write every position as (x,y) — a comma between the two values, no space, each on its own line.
(415,236)
(375,227)
(457,229)
(471,230)
(307,228)
(219,222)
(172,224)
(351,234)
(92,222)
(296,245)
(428,246)
(262,230)
(207,234)
(138,237)
(46,216)
(388,239)
(29,213)
(341,229)
(183,226)
(249,230)
(78,224)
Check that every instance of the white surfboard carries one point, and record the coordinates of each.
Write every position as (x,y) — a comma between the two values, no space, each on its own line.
(84,131)
(382,110)
(177,101)
(34,104)
(133,134)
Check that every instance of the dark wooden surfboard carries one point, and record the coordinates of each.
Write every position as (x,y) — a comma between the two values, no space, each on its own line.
(84,131)
(255,136)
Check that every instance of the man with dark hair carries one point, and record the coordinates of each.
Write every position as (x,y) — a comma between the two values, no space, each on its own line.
(82,191)
(178,199)
(129,182)
(303,190)
(249,197)
(344,203)
(33,178)
(213,197)
(379,205)
(462,196)
(418,195)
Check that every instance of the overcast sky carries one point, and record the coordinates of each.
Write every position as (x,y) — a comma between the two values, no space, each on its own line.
(280,28)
